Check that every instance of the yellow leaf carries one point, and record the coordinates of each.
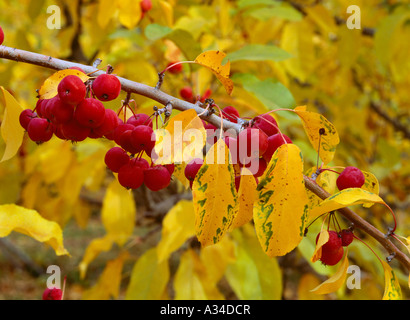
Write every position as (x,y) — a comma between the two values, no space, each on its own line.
(108,285)
(281,210)
(167,12)
(319,130)
(187,282)
(213,61)
(129,13)
(118,212)
(49,88)
(149,277)
(11,130)
(334,282)
(29,222)
(106,8)
(306,282)
(344,198)
(216,258)
(392,290)
(55,159)
(95,247)
(327,180)
(322,240)
(246,198)
(298,40)
(181,140)
(177,226)
(371,184)
(214,195)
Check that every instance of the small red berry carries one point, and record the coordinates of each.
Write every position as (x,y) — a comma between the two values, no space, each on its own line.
(257,166)
(115,158)
(143,138)
(119,131)
(140,119)
(59,112)
(90,113)
(274,142)
(187,94)
(39,107)
(192,168)
(331,258)
(146,5)
(106,87)
(52,294)
(332,250)
(141,162)
(131,175)
(351,177)
(347,237)
(71,90)
(170,167)
(40,130)
(157,178)
(252,143)
(230,113)
(1,36)
(74,131)
(266,123)
(108,126)
(26,116)
(175,69)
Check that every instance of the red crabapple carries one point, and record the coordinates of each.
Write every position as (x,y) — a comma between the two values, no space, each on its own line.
(106,87)
(274,142)
(115,158)
(192,168)
(90,113)
(26,116)
(71,90)
(131,175)
(52,294)
(266,123)
(157,178)
(351,177)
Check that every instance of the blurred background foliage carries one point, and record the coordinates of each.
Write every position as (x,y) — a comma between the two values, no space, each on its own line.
(283,54)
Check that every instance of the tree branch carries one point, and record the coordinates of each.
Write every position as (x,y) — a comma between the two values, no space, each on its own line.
(165,99)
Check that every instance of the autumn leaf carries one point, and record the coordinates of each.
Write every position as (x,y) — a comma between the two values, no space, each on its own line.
(29,222)
(129,13)
(392,290)
(246,197)
(149,277)
(280,212)
(371,184)
(344,198)
(187,283)
(11,130)
(118,212)
(213,61)
(49,88)
(95,247)
(177,226)
(322,134)
(214,195)
(336,281)
(321,241)
(182,139)
(108,285)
